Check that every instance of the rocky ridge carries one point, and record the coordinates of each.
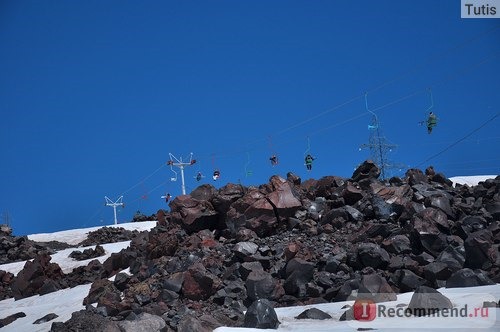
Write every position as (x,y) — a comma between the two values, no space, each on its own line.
(218,252)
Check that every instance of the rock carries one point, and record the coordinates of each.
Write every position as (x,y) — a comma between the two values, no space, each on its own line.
(37,276)
(367,170)
(427,301)
(407,281)
(86,321)
(245,249)
(479,253)
(11,318)
(261,315)
(190,323)
(46,318)
(352,194)
(143,322)
(397,244)
(415,176)
(468,278)
(454,257)
(261,285)
(193,215)
(283,197)
(376,288)
(437,271)
(313,313)
(88,253)
(370,254)
(199,284)
(299,272)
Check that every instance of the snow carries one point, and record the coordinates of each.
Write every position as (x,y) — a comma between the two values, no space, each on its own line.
(76,236)
(471,180)
(64,302)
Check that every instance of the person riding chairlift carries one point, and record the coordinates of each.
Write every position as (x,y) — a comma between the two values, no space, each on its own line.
(167,198)
(199,176)
(274,160)
(309,160)
(431,122)
(216,175)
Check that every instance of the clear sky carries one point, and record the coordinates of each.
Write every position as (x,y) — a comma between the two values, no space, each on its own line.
(94,95)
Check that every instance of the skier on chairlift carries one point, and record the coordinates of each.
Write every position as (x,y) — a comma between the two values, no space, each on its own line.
(216,175)
(309,161)
(431,122)
(199,176)
(274,160)
(167,198)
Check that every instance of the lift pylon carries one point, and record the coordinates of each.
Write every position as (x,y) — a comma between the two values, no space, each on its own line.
(115,204)
(177,162)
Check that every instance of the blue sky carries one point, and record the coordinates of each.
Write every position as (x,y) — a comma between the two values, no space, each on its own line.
(94,95)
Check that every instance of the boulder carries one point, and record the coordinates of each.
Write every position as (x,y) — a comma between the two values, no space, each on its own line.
(193,215)
(427,301)
(261,315)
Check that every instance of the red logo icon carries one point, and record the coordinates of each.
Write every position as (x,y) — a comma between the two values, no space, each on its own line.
(364,310)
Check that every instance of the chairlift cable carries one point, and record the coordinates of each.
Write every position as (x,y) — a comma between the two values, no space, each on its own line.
(459,140)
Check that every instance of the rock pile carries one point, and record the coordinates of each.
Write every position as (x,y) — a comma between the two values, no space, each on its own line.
(217,252)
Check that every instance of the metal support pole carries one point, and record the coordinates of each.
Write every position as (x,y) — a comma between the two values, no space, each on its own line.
(183,185)
(179,163)
(118,202)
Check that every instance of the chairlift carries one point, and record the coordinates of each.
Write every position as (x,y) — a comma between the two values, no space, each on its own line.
(274,155)
(174,178)
(248,172)
(199,176)
(374,124)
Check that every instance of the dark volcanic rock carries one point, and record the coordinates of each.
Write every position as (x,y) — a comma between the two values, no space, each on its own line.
(193,215)
(372,255)
(468,278)
(37,277)
(367,170)
(86,321)
(199,284)
(427,301)
(299,272)
(291,242)
(46,318)
(87,253)
(261,315)
(313,313)
(376,288)
(261,285)
(9,319)
(479,253)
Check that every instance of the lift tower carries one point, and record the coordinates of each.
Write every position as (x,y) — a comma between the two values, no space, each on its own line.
(177,162)
(379,146)
(115,204)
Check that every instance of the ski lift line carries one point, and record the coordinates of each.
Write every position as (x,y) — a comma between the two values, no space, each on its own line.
(308,146)
(460,140)
(467,68)
(95,214)
(448,142)
(152,190)
(442,54)
(396,101)
(247,171)
(144,179)
(333,109)
(472,165)
(495,169)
